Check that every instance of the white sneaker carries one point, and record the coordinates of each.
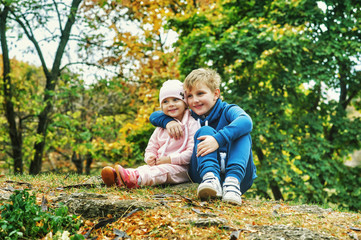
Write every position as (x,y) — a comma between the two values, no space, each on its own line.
(210,187)
(231,191)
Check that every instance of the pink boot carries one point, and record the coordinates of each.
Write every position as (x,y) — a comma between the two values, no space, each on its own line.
(128,177)
(110,177)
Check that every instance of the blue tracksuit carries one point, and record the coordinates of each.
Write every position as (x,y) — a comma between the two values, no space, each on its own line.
(231,126)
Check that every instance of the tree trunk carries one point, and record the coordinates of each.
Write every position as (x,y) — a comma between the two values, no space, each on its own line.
(15,131)
(51,81)
(36,163)
(260,156)
(89,160)
(78,162)
(277,194)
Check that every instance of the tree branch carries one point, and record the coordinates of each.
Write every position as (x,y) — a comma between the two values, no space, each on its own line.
(28,32)
(58,15)
(63,42)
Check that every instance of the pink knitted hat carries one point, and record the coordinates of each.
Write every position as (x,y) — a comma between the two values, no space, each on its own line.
(172,88)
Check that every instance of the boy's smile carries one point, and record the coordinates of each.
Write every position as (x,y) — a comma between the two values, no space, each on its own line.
(201,98)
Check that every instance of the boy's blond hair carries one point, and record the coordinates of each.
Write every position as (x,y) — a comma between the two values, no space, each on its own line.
(203,75)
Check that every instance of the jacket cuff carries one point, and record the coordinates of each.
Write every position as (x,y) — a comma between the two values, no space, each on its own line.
(147,156)
(220,139)
(166,121)
(174,159)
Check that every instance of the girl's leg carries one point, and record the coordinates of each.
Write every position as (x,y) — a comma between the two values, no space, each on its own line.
(162,174)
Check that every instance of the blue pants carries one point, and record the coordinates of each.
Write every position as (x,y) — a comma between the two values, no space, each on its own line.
(238,163)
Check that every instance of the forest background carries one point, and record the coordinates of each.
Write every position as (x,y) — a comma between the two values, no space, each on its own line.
(279,60)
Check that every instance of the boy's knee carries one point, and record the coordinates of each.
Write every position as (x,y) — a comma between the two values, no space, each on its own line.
(205,130)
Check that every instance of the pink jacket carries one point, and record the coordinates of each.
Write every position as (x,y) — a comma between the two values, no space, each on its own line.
(180,151)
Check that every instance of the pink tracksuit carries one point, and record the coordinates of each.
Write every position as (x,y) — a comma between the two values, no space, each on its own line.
(180,151)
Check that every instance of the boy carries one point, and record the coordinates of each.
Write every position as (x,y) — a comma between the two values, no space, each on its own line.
(222,146)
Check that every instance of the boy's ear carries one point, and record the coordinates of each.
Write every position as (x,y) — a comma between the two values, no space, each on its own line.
(217,94)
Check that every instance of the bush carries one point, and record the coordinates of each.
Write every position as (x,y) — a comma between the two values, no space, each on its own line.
(24,219)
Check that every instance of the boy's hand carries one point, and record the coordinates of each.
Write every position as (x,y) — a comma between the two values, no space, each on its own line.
(163,160)
(151,161)
(174,129)
(208,145)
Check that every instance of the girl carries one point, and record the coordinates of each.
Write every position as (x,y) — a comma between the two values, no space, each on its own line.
(167,158)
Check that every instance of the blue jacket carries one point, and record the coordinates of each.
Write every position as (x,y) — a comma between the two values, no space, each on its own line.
(229,120)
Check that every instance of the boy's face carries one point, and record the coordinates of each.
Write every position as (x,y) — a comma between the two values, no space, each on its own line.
(173,107)
(201,98)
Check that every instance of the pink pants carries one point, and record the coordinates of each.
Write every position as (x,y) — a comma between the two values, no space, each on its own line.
(163,174)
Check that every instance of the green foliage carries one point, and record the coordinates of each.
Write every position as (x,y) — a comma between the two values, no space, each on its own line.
(27,83)
(279,60)
(30,18)
(88,119)
(139,140)
(24,219)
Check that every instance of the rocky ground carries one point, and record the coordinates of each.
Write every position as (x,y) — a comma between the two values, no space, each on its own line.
(174,212)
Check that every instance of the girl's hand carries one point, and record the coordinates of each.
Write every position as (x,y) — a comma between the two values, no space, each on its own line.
(151,161)
(163,160)
(208,145)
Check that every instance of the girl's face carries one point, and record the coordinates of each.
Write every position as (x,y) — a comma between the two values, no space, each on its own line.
(173,107)
(201,98)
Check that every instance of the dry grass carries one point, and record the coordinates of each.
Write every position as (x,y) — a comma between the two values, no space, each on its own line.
(176,217)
